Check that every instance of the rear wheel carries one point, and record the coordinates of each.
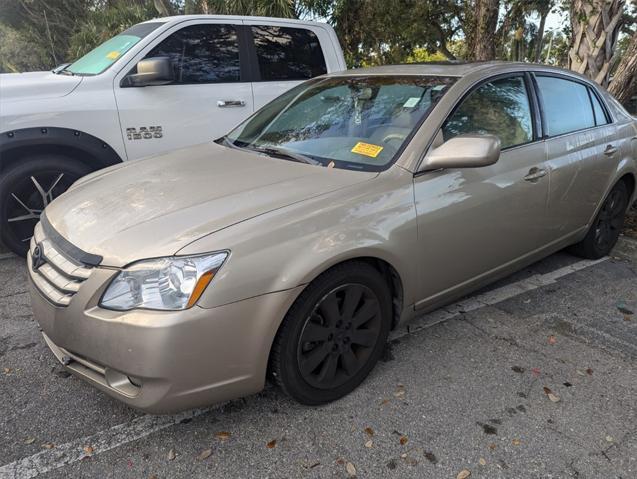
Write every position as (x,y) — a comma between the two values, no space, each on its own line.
(26,188)
(605,230)
(333,335)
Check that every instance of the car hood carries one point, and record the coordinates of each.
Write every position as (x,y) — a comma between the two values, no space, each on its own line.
(156,206)
(36,85)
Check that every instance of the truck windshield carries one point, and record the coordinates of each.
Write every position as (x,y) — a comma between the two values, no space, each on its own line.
(353,122)
(101,58)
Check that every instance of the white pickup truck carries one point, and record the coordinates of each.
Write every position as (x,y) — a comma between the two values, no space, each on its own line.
(160,85)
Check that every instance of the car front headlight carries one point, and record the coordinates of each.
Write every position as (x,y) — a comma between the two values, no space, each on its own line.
(170,284)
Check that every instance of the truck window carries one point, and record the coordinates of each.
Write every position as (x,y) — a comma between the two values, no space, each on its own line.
(288,53)
(207,53)
(101,58)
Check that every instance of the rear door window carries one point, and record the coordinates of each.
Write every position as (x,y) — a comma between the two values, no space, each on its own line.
(206,53)
(287,53)
(566,104)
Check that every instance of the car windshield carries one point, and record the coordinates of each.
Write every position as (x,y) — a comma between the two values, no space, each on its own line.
(353,122)
(101,58)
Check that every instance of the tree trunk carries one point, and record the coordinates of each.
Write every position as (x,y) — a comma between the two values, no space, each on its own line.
(480,29)
(595,27)
(540,35)
(624,84)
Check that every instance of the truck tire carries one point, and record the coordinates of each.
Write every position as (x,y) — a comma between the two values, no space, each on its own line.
(26,188)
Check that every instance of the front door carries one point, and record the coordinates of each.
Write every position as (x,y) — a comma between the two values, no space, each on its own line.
(473,221)
(207,98)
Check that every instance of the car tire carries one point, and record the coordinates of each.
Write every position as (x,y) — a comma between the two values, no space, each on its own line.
(605,229)
(333,335)
(21,202)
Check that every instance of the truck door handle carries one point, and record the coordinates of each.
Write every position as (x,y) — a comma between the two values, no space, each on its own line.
(610,150)
(535,174)
(230,103)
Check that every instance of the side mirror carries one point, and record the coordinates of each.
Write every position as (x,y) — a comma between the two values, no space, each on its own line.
(464,151)
(150,72)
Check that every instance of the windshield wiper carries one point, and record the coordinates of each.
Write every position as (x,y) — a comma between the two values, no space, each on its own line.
(285,154)
(269,150)
(62,70)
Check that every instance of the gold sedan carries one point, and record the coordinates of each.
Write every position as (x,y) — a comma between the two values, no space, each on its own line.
(291,247)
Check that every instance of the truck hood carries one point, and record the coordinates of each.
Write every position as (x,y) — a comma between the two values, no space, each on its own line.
(156,206)
(36,85)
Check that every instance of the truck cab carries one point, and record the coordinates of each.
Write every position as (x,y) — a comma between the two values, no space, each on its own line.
(160,85)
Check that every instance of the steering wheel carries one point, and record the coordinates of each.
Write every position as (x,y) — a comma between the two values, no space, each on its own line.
(394,136)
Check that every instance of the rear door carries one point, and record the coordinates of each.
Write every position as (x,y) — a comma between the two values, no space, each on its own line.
(581,151)
(286,55)
(211,92)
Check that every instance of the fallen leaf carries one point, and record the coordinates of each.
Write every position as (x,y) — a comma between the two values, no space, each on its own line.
(412,461)
(29,440)
(223,435)
(492,446)
(384,402)
(403,440)
(271,444)
(48,445)
(172,455)
(581,373)
(205,454)
(351,470)
(369,444)
(482,461)
(153,476)
(369,431)
(403,455)
(626,317)
(7,370)
(517,369)
(88,449)
(463,474)
(340,461)
(516,442)
(609,438)
(589,371)
(552,339)
(535,372)
(399,393)
(551,395)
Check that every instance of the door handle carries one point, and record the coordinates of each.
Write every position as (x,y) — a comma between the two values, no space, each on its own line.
(230,103)
(535,174)
(610,150)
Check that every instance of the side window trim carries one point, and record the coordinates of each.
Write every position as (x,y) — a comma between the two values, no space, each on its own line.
(593,94)
(500,76)
(591,91)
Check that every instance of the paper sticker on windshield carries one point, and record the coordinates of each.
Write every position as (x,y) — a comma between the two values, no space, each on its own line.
(411,102)
(367,149)
(112,55)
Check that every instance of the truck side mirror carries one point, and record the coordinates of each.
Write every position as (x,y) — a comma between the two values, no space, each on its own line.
(150,72)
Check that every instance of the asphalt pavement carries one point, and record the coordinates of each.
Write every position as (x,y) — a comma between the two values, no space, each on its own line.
(534,377)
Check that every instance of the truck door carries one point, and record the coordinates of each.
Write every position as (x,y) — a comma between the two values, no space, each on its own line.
(211,92)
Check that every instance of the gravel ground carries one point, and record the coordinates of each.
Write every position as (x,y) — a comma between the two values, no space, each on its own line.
(540,385)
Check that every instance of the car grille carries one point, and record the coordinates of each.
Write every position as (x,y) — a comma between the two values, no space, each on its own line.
(57,276)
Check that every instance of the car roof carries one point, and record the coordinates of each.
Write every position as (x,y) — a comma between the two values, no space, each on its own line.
(181,18)
(451,68)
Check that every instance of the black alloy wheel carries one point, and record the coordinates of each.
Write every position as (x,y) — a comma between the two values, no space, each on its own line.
(28,188)
(607,226)
(339,336)
(333,335)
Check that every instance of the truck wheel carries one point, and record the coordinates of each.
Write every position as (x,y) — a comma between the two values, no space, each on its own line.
(26,188)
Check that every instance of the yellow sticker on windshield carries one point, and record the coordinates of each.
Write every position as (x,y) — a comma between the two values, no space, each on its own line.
(112,55)
(367,149)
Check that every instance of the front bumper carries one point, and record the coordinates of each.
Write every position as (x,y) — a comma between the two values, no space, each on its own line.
(159,361)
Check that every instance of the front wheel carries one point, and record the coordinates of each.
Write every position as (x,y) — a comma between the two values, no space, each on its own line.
(333,335)
(604,232)
(26,188)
